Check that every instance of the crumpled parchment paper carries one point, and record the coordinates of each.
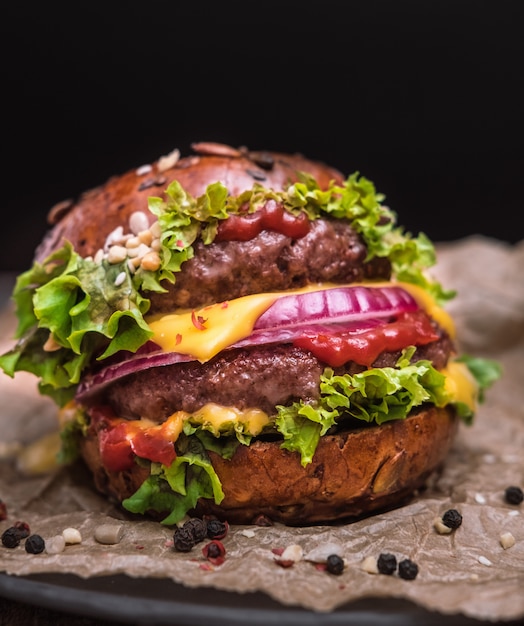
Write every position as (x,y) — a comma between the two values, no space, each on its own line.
(465,572)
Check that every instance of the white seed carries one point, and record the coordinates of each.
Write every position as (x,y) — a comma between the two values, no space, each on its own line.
(99,256)
(71,536)
(139,251)
(484,561)
(133,242)
(480,498)
(115,236)
(168,161)
(55,545)
(369,565)
(440,527)
(137,222)
(293,553)
(120,279)
(320,553)
(143,169)
(507,540)
(248,533)
(109,533)
(116,254)
(155,229)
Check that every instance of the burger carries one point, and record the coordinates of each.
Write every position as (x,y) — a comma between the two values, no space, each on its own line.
(247,335)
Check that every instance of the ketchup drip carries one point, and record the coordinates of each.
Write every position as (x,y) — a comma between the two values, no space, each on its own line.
(272,216)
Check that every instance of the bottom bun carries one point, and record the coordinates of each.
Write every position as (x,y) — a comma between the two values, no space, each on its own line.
(353,473)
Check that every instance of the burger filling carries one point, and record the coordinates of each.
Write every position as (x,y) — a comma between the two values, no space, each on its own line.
(283,315)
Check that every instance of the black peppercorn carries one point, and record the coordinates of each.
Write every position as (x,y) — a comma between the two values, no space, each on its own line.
(34,544)
(452,518)
(514,495)
(387,563)
(197,527)
(23,529)
(11,537)
(407,569)
(335,564)
(183,539)
(216,529)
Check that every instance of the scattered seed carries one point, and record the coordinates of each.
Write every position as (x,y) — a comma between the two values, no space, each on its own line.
(480,498)
(440,527)
(320,553)
(369,565)
(507,540)
(72,536)
(484,561)
(109,533)
(55,545)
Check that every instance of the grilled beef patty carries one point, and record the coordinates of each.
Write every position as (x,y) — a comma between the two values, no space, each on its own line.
(259,377)
(331,252)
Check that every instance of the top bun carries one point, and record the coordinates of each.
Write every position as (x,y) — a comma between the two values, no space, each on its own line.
(111,204)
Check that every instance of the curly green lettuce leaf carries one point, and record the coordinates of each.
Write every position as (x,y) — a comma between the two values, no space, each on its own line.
(176,489)
(72,311)
(376,395)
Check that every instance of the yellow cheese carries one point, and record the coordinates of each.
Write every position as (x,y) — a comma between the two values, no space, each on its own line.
(206,332)
(218,416)
(427,302)
(461,385)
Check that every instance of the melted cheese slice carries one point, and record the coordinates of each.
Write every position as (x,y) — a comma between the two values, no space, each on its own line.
(206,332)
(461,385)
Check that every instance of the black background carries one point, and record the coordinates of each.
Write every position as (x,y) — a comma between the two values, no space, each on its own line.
(423,97)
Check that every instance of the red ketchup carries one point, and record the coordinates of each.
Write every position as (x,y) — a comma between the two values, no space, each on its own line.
(272,216)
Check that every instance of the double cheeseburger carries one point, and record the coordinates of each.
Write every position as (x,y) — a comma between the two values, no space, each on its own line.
(244,334)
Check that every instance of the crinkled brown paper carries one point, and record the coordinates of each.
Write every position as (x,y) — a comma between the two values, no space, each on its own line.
(466,572)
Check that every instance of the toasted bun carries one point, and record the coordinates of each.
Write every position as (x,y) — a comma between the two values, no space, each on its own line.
(353,473)
(112,203)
